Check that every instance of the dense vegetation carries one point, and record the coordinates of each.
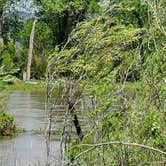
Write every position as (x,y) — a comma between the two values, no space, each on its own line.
(116,60)
(109,56)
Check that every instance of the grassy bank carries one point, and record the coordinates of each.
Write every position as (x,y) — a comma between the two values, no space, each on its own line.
(24,86)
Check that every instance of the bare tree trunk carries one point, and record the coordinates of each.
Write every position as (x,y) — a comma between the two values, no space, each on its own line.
(75,119)
(30,52)
(1,27)
(78,127)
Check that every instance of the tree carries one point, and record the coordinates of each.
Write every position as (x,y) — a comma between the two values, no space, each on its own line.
(117,62)
(42,44)
(13,24)
(30,51)
(2,4)
(5,6)
(62,16)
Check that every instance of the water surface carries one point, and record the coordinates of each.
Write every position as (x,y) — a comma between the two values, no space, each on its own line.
(28,147)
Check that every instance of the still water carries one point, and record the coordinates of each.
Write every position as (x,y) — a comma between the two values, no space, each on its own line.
(28,148)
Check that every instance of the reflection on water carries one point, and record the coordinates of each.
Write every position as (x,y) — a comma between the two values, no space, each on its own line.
(28,148)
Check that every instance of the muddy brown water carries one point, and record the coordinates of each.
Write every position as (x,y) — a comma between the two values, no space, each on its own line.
(28,148)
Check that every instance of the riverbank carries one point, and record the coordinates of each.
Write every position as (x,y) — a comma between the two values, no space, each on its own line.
(7,122)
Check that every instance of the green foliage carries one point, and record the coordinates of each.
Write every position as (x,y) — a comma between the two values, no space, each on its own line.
(7,58)
(62,16)
(4,2)
(39,67)
(7,126)
(43,35)
(13,24)
(7,61)
(61,5)
(118,60)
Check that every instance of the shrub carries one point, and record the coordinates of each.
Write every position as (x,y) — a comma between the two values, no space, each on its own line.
(7,125)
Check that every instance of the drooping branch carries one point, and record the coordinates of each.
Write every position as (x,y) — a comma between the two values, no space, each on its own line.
(94,146)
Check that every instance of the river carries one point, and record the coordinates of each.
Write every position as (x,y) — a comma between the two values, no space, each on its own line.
(28,148)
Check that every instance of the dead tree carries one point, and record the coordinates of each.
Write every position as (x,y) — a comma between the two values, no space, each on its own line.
(30,52)
(1,26)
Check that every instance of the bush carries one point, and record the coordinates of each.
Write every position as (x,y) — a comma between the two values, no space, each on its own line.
(7,125)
